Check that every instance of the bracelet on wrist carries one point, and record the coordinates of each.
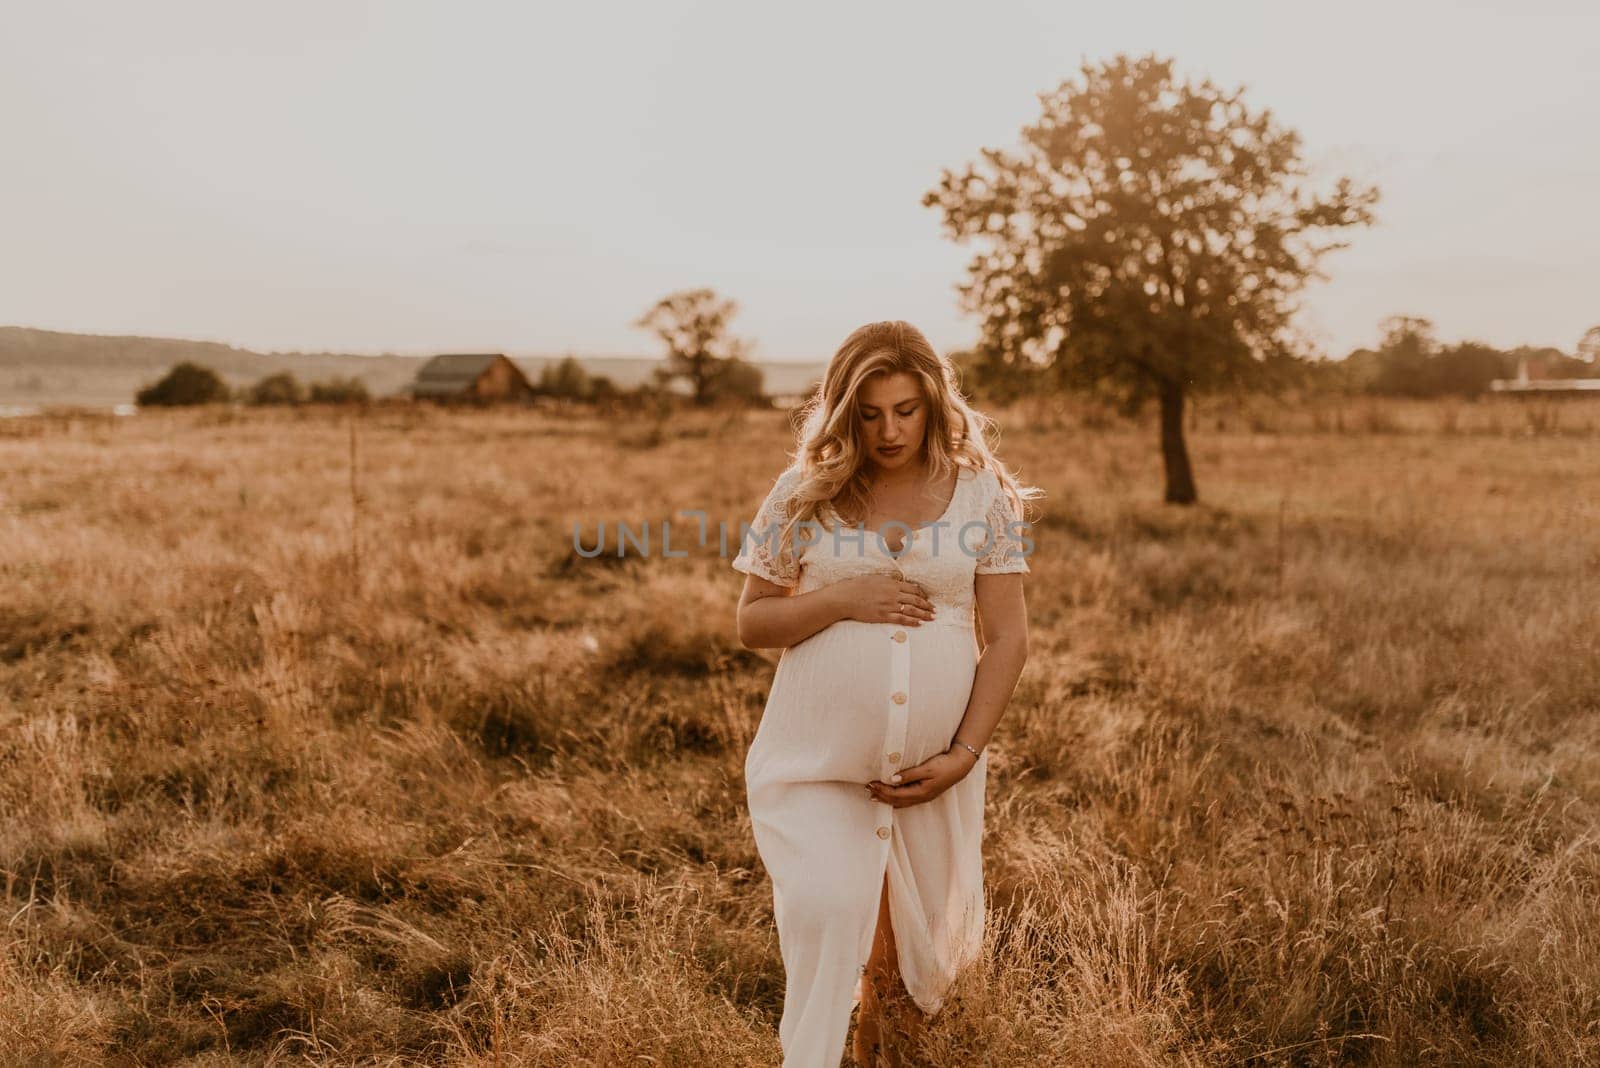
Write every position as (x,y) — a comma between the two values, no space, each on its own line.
(975,753)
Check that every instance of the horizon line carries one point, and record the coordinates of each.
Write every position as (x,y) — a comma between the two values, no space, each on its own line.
(547,354)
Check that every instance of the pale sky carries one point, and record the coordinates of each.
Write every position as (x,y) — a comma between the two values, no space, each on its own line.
(528,177)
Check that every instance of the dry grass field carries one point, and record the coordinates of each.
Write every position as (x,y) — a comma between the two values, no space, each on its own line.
(300,766)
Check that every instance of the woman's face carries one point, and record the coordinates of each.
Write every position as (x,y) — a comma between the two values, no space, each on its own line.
(894,419)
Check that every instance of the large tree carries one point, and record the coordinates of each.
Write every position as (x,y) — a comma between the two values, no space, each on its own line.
(1146,239)
(693,323)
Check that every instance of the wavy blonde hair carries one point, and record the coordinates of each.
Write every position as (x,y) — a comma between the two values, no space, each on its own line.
(829,453)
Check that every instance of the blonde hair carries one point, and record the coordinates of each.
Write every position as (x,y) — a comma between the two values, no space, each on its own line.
(829,453)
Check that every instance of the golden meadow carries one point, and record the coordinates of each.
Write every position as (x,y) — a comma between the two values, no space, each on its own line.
(318,742)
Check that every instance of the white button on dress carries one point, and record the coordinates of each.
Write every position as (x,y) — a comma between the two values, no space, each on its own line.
(846,707)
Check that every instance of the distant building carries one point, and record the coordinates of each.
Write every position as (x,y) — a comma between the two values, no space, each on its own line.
(472,378)
(1533,376)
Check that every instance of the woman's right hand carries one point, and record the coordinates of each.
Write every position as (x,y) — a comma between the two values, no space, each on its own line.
(885,599)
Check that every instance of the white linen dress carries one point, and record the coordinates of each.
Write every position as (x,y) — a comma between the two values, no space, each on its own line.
(860,701)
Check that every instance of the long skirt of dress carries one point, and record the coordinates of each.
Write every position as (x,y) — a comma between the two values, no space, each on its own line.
(852,703)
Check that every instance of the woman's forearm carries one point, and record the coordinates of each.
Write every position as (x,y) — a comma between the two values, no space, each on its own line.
(779,622)
(999,667)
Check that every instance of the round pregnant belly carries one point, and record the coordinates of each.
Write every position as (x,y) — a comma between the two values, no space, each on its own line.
(830,711)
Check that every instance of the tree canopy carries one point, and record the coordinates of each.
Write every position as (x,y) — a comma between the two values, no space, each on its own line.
(1149,235)
(693,324)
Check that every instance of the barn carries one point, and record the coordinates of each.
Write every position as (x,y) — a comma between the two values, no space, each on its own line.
(472,378)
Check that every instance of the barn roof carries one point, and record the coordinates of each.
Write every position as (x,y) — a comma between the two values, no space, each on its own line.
(463,367)
(455,373)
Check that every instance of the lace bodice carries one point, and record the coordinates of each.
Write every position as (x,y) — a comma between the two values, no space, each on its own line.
(978,534)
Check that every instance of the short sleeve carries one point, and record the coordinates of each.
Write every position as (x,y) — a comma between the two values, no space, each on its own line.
(1006,553)
(760,553)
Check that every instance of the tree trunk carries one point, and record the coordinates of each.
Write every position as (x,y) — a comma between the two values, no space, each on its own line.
(703,371)
(1180,477)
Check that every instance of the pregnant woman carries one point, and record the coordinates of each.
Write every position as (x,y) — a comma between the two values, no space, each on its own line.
(892,533)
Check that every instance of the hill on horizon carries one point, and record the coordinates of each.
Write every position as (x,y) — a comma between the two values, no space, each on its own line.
(43,367)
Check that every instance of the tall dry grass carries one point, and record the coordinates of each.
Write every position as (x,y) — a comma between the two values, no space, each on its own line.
(295,767)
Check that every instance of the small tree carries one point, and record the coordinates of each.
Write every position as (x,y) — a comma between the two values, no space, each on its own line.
(281,388)
(1403,354)
(566,379)
(185,383)
(1148,237)
(694,325)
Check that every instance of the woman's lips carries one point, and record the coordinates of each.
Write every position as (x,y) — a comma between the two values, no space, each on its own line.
(890,450)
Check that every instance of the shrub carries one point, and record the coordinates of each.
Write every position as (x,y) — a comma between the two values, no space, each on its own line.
(186,383)
(567,380)
(340,391)
(739,382)
(280,388)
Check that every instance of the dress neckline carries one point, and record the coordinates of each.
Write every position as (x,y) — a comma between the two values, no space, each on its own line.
(961,476)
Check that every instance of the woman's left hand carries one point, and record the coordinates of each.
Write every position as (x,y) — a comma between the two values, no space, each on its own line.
(925,781)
